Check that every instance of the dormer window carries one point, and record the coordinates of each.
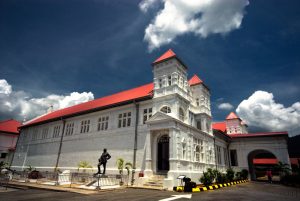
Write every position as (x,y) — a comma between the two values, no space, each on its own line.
(165,109)
(169,80)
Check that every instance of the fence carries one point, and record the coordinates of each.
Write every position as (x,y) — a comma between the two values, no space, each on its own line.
(73,179)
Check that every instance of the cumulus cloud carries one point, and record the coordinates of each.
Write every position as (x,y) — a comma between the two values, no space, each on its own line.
(225,106)
(145,5)
(261,110)
(20,105)
(201,17)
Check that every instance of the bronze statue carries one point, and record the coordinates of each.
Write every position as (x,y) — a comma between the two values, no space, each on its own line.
(102,161)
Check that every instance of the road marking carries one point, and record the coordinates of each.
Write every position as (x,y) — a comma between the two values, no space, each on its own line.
(175,197)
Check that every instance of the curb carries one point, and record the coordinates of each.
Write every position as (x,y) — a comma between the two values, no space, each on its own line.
(55,188)
(211,187)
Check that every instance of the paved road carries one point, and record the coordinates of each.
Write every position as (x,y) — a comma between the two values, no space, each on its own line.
(248,191)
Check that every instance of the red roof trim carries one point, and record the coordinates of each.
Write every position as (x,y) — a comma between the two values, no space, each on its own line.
(219,126)
(167,55)
(262,134)
(232,115)
(195,80)
(265,161)
(10,126)
(121,98)
(124,97)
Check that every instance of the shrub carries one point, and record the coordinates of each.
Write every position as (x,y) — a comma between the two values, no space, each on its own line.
(238,175)
(220,178)
(244,174)
(229,174)
(207,178)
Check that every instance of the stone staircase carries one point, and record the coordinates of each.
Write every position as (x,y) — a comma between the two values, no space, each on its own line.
(155,182)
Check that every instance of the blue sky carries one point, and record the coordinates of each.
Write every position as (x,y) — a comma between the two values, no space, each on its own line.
(54,47)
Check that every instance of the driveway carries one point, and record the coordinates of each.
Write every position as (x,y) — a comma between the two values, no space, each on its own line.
(248,191)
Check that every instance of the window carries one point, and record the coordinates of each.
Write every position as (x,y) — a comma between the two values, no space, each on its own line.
(45,133)
(233,157)
(124,120)
(85,126)
(147,114)
(103,123)
(219,160)
(166,109)
(34,135)
(160,83)
(197,102)
(199,150)
(199,125)
(169,80)
(3,155)
(69,129)
(207,126)
(197,153)
(225,156)
(181,114)
(183,150)
(56,131)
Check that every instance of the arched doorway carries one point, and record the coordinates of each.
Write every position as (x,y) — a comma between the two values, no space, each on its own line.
(259,162)
(163,154)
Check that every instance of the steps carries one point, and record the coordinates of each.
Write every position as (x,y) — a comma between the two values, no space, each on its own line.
(155,182)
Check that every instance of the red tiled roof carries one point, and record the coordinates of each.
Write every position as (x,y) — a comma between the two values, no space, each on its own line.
(195,80)
(10,126)
(262,134)
(111,100)
(232,115)
(167,55)
(219,126)
(265,161)
(118,98)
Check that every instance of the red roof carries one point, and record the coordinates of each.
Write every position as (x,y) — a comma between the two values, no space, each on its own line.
(219,126)
(167,55)
(232,115)
(141,92)
(118,98)
(195,80)
(262,134)
(265,161)
(10,126)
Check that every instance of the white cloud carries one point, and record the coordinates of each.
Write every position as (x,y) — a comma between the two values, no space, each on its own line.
(20,105)
(225,106)
(201,17)
(261,110)
(146,4)
(5,88)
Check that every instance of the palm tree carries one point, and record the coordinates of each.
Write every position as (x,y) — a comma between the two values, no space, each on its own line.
(83,164)
(120,165)
(128,166)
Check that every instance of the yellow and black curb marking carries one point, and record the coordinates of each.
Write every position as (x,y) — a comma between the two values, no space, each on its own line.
(212,187)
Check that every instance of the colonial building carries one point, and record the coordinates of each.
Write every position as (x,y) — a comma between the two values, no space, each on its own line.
(8,139)
(163,128)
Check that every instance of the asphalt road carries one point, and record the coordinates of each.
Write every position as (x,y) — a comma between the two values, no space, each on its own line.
(248,191)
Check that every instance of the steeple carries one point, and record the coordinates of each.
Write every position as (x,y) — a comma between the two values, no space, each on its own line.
(167,55)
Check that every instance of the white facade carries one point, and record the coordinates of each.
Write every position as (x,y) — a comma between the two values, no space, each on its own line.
(174,133)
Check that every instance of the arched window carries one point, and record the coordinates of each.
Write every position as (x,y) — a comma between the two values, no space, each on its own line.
(197,154)
(181,114)
(166,109)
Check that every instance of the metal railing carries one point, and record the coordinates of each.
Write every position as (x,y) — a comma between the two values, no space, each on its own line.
(73,179)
